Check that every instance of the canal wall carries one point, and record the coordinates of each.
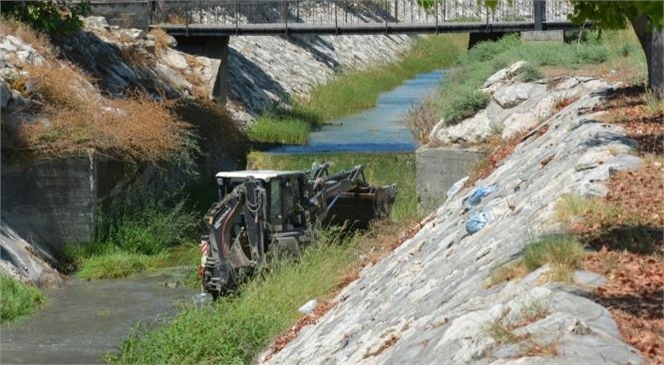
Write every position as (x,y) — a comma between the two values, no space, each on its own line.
(439,168)
(432,299)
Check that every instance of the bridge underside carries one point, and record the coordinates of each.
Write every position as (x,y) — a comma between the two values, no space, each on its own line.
(201,30)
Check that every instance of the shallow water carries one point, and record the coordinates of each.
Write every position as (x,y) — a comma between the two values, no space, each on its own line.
(86,319)
(380,129)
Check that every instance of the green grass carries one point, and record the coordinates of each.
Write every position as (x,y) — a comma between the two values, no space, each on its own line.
(270,129)
(117,265)
(135,235)
(460,97)
(352,90)
(235,329)
(563,253)
(379,169)
(18,299)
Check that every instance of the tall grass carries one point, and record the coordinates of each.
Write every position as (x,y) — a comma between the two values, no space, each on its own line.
(235,329)
(135,235)
(355,90)
(18,299)
(269,129)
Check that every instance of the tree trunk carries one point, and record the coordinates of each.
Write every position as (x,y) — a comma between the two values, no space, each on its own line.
(652,42)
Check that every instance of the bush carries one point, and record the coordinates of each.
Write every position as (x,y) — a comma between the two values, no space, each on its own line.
(18,299)
(52,17)
(530,73)
(137,129)
(464,105)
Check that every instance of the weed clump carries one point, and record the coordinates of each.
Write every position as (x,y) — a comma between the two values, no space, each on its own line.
(564,255)
(78,118)
(18,299)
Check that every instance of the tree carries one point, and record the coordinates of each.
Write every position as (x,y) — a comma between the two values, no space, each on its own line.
(647,20)
(52,17)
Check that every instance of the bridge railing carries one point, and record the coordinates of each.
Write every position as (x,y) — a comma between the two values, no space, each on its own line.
(347,12)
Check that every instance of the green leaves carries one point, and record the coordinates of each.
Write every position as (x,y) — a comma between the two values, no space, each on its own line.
(52,17)
(616,14)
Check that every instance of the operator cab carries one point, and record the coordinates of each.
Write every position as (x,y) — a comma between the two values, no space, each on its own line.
(285,192)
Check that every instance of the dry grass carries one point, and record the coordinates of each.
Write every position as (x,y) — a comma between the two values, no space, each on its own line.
(161,40)
(508,272)
(199,88)
(384,346)
(422,118)
(137,56)
(39,42)
(78,118)
(504,332)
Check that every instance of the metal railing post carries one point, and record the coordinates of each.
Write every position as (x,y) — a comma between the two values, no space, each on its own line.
(336,24)
(237,17)
(538,13)
(396,10)
(285,15)
(436,16)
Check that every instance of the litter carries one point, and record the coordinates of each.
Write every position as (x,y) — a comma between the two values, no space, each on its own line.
(476,197)
(477,221)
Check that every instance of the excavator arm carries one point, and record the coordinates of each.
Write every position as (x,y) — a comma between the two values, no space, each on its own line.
(235,240)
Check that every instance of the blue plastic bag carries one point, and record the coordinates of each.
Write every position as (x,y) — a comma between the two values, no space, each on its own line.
(476,197)
(476,222)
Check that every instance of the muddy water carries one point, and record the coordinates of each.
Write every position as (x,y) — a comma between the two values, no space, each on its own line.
(84,320)
(380,129)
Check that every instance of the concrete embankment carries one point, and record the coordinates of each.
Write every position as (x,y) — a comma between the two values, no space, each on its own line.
(428,301)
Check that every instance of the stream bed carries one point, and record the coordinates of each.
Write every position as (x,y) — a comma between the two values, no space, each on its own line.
(86,319)
(380,129)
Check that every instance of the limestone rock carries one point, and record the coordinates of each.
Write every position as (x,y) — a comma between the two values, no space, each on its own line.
(518,122)
(470,130)
(512,95)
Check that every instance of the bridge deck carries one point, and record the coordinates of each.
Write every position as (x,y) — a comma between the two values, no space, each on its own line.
(204,30)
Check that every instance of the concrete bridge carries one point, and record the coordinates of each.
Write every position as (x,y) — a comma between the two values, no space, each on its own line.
(204,26)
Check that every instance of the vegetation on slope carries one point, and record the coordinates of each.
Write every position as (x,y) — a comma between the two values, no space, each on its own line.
(18,299)
(353,90)
(241,326)
(460,98)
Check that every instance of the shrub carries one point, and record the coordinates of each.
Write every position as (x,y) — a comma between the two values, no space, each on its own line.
(18,299)
(52,17)
(531,73)
(464,105)
(79,118)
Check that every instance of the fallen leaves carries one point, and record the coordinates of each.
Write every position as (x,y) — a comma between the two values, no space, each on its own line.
(628,231)
(635,297)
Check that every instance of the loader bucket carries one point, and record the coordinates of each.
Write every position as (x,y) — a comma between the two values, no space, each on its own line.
(358,207)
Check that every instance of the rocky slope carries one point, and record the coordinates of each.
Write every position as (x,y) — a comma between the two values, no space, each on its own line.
(427,302)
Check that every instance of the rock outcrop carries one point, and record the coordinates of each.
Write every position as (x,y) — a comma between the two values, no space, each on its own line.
(427,302)
(515,106)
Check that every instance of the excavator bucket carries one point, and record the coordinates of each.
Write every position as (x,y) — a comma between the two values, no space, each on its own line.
(356,208)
